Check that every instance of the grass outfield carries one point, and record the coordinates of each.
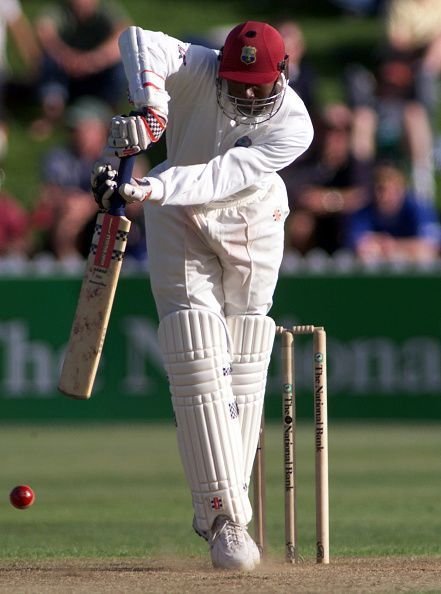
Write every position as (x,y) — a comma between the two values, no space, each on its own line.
(109,491)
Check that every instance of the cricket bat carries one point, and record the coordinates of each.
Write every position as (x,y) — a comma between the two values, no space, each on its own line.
(97,293)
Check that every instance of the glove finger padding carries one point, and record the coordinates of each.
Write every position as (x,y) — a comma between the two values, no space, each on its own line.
(135,192)
(100,173)
(130,135)
(134,133)
(106,190)
(117,134)
(103,182)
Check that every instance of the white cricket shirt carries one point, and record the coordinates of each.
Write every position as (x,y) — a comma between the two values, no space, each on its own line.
(205,162)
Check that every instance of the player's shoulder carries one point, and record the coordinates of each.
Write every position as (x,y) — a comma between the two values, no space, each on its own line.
(293,101)
(293,115)
(199,57)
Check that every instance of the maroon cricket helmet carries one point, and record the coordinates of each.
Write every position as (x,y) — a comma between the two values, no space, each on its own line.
(253,53)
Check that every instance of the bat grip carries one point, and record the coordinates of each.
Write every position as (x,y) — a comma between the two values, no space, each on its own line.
(117,202)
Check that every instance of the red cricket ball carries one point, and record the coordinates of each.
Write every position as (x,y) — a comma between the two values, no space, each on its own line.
(22,496)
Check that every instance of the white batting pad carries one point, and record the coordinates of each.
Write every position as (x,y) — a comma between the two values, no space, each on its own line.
(252,338)
(194,347)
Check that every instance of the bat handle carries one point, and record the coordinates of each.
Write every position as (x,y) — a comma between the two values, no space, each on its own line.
(117,202)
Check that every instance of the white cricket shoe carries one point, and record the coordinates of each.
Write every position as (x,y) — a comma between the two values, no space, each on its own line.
(231,546)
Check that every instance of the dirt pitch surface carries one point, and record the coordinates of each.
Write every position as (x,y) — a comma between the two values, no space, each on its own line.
(357,576)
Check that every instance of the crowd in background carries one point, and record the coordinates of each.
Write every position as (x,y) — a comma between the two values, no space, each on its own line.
(366,189)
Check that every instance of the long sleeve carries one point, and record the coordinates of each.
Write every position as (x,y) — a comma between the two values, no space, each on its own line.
(210,158)
(239,167)
(150,58)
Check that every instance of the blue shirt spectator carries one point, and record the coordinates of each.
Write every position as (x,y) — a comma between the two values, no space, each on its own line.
(395,225)
(413,219)
(360,7)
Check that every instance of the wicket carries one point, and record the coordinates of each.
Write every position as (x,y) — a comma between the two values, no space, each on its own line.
(289,448)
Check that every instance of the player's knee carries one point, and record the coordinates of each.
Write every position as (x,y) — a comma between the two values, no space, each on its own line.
(194,346)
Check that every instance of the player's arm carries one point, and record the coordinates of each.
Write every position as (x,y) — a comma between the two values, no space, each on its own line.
(237,169)
(274,148)
(224,175)
(149,59)
(103,180)
(25,41)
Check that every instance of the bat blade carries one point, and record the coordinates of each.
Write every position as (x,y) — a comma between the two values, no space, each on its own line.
(94,306)
(96,296)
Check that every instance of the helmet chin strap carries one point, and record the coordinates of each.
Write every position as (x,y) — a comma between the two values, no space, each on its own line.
(250,111)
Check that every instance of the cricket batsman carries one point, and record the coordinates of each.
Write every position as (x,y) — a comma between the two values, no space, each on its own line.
(214,213)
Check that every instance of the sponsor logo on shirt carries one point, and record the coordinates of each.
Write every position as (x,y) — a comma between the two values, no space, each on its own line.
(277,215)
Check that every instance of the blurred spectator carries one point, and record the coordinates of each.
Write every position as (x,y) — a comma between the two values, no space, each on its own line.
(394,226)
(389,119)
(414,29)
(360,7)
(14,20)
(136,249)
(81,56)
(395,109)
(14,227)
(213,37)
(301,74)
(65,204)
(323,192)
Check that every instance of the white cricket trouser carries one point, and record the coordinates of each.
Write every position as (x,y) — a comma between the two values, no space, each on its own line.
(209,268)
(224,259)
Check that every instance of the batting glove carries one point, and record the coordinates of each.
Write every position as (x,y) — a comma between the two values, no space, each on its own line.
(137,190)
(130,135)
(103,182)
